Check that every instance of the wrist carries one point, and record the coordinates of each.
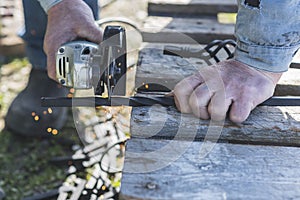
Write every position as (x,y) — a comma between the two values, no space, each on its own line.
(272,76)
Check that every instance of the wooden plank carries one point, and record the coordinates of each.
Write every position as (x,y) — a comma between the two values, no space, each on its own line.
(189,30)
(266,125)
(289,83)
(229,171)
(188,8)
(154,67)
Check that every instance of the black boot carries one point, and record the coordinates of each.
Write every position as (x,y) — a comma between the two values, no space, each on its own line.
(25,115)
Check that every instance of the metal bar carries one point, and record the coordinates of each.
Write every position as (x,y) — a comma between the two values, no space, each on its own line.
(282,101)
(143,101)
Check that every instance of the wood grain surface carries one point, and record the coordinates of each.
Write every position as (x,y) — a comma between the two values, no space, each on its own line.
(229,171)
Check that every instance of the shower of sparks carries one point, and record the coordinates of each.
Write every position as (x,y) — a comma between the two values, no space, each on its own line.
(36,118)
(50,111)
(54,132)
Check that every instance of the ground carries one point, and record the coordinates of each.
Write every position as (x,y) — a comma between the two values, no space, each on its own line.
(25,162)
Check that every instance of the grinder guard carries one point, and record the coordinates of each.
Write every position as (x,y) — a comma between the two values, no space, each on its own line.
(114,62)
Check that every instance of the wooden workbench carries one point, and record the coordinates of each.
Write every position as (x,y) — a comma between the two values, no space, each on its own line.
(176,156)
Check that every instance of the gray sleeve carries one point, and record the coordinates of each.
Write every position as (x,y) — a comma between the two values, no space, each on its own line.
(47,4)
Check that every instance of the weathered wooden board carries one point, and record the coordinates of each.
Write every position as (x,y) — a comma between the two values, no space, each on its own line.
(185,30)
(229,171)
(154,67)
(289,83)
(266,125)
(188,8)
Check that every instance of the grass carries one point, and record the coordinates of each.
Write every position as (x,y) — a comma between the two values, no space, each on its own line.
(24,162)
(25,167)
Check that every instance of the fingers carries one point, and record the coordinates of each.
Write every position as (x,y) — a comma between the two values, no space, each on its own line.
(51,49)
(218,106)
(231,86)
(240,110)
(249,99)
(207,104)
(51,70)
(204,95)
(192,95)
(183,91)
(199,101)
(92,33)
(51,63)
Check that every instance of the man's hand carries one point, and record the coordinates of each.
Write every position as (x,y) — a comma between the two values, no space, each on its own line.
(227,86)
(67,21)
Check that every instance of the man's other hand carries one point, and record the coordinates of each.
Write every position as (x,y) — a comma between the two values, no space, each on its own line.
(226,87)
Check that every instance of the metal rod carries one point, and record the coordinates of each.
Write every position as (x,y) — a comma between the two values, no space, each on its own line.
(282,101)
(143,101)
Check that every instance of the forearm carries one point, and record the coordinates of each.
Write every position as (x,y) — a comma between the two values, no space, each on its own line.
(47,4)
(268,34)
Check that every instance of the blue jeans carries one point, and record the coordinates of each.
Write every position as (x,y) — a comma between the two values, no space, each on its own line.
(268,33)
(35,28)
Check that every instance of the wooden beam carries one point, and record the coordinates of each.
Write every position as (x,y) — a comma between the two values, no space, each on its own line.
(289,84)
(229,171)
(191,8)
(266,125)
(190,30)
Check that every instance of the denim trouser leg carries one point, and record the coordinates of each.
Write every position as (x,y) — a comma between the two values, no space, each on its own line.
(35,28)
(268,33)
